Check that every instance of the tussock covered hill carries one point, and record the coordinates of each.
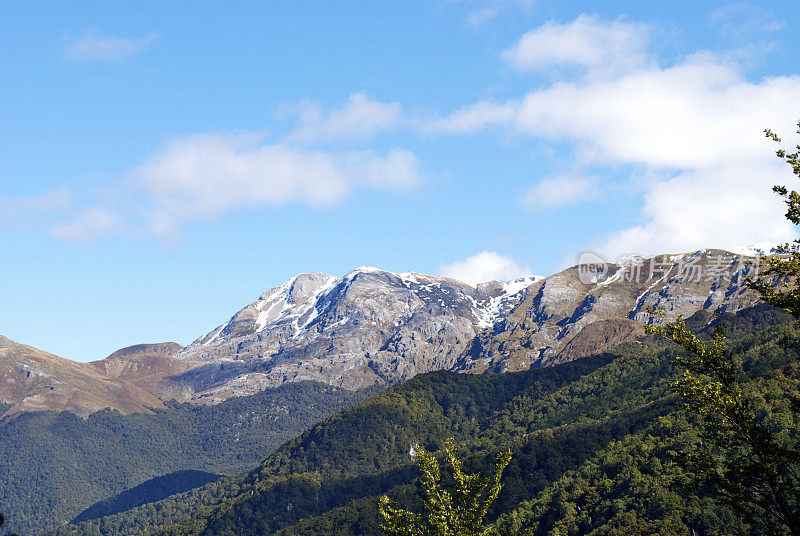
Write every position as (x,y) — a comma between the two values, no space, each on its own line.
(33,380)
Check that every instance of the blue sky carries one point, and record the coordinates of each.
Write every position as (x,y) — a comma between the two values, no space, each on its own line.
(161,167)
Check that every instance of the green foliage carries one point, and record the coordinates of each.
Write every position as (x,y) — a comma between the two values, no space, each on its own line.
(459,513)
(710,381)
(749,450)
(54,465)
(363,451)
(784,269)
(152,490)
(597,414)
(749,453)
(633,486)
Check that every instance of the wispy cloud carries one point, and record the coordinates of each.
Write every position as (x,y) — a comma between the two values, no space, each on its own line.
(560,191)
(204,176)
(35,211)
(484,11)
(586,42)
(743,21)
(92,47)
(485,266)
(87,225)
(360,118)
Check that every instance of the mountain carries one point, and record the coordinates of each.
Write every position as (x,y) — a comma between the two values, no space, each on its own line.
(54,465)
(586,308)
(34,380)
(149,366)
(597,433)
(373,327)
(370,327)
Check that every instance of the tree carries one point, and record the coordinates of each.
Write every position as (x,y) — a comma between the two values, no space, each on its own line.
(749,457)
(786,266)
(458,514)
(750,454)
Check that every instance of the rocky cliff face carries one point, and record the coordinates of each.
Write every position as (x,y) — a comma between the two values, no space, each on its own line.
(588,308)
(372,327)
(376,327)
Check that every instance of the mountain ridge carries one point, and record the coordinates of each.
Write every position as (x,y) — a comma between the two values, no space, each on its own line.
(377,327)
(372,327)
(34,380)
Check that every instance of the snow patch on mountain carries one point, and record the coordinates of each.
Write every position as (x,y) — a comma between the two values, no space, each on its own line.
(299,303)
(760,249)
(510,294)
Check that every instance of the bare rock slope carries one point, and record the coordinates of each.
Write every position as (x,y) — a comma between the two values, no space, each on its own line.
(376,327)
(373,327)
(369,327)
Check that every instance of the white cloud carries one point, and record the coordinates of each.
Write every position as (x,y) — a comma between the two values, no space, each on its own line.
(558,191)
(398,171)
(475,117)
(92,47)
(488,10)
(696,124)
(693,128)
(694,114)
(203,176)
(485,266)
(721,207)
(585,42)
(90,225)
(359,119)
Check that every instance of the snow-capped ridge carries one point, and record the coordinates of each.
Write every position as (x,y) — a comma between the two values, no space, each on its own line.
(509,296)
(375,327)
(760,249)
(293,307)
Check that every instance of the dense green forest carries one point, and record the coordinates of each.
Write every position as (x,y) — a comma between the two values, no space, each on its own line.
(55,465)
(595,446)
(152,490)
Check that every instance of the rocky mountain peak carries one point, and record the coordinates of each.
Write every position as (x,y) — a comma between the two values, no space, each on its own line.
(375,327)
(372,326)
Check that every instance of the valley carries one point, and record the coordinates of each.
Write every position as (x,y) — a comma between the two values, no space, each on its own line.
(319,344)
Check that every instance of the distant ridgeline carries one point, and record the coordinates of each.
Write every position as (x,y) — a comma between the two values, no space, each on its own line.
(54,465)
(355,335)
(374,328)
(591,440)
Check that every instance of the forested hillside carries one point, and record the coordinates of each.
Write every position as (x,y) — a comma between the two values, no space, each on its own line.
(54,465)
(599,433)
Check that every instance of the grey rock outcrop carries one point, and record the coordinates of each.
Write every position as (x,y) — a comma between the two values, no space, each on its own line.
(373,327)
(370,327)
